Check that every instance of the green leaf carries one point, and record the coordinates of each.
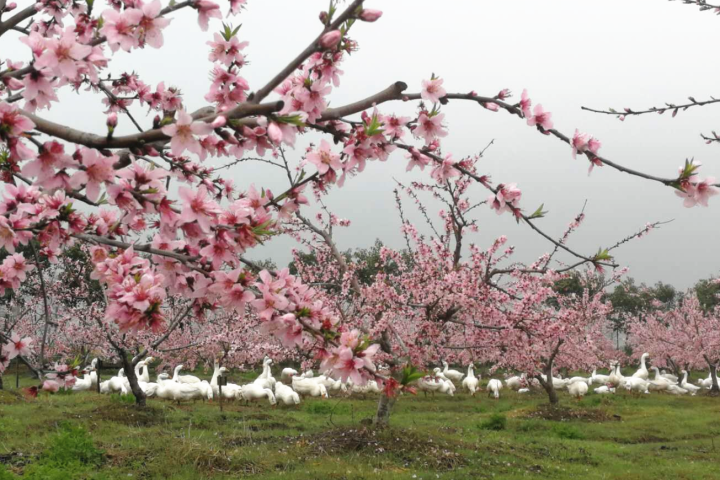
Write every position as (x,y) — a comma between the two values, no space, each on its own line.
(410,374)
(295,120)
(374,127)
(539,213)
(602,255)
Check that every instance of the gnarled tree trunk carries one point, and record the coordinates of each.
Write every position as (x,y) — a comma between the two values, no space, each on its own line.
(715,389)
(129,366)
(548,385)
(382,415)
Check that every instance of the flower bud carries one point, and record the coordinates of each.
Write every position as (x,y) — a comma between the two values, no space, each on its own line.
(370,15)
(330,39)
(10,7)
(323,17)
(220,121)
(112,120)
(274,132)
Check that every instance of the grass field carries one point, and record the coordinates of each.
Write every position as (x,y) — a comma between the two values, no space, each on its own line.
(88,436)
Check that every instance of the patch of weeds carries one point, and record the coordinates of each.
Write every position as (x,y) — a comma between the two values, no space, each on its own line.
(480,408)
(70,453)
(497,422)
(324,408)
(592,401)
(72,444)
(568,432)
(128,399)
(531,426)
(4,474)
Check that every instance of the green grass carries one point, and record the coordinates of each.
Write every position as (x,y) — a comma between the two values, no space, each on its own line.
(89,436)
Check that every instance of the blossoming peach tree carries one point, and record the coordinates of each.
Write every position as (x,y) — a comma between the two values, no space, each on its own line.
(167,233)
(682,338)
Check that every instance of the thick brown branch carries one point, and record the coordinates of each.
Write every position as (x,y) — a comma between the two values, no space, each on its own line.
(139,139)
(17,18)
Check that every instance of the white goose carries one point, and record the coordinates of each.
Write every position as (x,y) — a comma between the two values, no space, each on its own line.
(252,392)
(688,386)
(441,376)
(229,391)
(604,390)
(430,384)
(636,384)
(578,389)
(572,380)
(705,383)
(145,373)
(287,374)
(266,380)
(116,384)
(659,383)
(309,387)
(599,378)
(286,395)
(515,383)
(93,373)
(616,377)
(470,382)
(675,390)
(558,383)
(178,392)
(493,387)
(670,376)
(333,385)
(642,372)
(452,375)
(85,383)
(126,382)
(184,378)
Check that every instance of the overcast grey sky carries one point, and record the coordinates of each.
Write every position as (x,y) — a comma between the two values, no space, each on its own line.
(567,53)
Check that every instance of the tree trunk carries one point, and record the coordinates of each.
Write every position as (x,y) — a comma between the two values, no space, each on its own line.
(382,416)
(715,390)
(1,382)
(133,380)
(548,385)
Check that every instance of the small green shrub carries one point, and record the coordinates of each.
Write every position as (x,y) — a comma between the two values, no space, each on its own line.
(71,445)
(325,408)
(530,426)
(568,432)
(496,421)
(592,401)
(52,472)
(4,474)
(124,399)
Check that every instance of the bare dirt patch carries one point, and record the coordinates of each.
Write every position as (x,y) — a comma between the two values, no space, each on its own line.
(564,414)
(129,415)
(404,445)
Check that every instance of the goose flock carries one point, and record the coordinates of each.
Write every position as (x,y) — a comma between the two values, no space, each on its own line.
(292,386)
